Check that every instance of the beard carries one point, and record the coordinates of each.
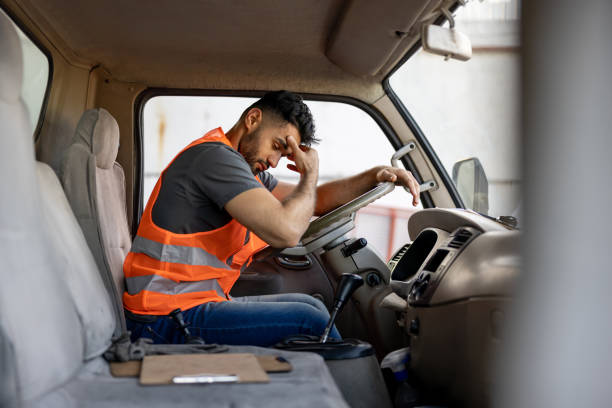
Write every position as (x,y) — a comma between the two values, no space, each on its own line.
(248,148)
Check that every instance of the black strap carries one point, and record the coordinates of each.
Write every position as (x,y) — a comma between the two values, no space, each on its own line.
(123,349)
(140,318)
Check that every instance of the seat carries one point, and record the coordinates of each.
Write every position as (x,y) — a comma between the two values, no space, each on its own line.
(56,316)
(94,184)
(34,302)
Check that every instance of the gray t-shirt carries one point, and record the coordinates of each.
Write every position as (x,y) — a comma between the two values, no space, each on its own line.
(198,184)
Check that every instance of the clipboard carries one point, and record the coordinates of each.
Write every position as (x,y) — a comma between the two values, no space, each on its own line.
(156,370)
(270,364)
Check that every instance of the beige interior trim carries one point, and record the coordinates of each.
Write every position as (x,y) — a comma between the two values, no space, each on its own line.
(43,31)
(363,48)
(194,54)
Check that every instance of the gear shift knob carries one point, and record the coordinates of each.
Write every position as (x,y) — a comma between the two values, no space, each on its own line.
(347,286)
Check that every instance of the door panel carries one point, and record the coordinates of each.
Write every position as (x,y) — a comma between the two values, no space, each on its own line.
(278,274)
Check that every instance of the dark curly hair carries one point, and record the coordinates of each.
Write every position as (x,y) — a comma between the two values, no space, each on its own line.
(290,108)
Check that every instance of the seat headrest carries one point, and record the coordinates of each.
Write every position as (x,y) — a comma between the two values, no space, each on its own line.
(11,63)
(99,132)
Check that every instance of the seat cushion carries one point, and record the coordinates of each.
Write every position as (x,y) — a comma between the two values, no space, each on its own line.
(78,268)
(309,384)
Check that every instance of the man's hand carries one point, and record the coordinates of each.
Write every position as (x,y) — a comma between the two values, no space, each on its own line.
(305,159)
(400,177)
(281,221)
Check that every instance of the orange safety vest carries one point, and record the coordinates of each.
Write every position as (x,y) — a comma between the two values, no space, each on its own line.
(165,270)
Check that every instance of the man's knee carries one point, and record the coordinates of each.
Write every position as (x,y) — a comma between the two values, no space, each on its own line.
(311,300)
(310,316)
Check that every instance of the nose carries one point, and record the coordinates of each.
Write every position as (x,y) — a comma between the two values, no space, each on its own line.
(273,161)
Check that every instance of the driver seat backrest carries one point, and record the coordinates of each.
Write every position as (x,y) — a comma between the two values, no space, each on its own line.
(94,184)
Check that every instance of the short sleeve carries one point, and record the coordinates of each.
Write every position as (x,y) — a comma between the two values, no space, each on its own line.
(268,180)
(221,173)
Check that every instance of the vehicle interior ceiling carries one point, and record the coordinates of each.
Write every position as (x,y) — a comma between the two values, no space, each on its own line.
(107,54)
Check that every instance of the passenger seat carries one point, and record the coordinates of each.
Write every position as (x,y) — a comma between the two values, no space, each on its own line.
(94,184)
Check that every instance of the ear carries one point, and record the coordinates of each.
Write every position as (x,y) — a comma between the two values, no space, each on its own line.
(253,118)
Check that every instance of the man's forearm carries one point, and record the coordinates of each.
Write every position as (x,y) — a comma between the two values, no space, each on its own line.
(337,192)
(299,205)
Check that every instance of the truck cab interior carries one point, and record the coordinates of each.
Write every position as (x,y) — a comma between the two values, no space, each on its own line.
(71,163)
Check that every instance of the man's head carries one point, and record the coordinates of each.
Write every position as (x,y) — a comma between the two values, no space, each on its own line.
(268,122)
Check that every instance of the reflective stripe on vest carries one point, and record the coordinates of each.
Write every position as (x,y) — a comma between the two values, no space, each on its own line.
(156,283)
(176,253)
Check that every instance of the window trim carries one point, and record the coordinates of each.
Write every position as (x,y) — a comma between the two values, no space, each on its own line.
(150,93)
(49,56)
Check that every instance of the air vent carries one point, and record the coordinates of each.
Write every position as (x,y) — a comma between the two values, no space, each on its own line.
(398,255)
(436,260)
(460,238)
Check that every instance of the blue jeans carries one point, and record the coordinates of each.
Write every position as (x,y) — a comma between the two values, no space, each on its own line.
(250,320)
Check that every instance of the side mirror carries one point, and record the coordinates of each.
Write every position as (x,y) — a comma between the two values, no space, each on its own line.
(472,184)
(447,42)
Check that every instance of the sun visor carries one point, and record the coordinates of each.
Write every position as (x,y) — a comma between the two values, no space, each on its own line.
(369,33)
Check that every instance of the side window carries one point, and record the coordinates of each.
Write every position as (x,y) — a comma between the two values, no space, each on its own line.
(351,142)
(469,111)
(35,77)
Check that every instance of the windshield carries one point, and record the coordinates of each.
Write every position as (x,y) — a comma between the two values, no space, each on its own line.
(468,111)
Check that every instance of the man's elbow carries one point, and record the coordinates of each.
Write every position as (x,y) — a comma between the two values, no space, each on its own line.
(294,241)
(285,238)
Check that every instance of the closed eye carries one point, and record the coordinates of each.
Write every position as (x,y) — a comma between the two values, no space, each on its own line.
(280,144)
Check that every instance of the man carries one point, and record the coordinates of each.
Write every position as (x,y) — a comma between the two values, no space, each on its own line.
(213,207)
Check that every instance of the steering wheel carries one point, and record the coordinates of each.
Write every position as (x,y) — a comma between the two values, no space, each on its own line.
(336,223)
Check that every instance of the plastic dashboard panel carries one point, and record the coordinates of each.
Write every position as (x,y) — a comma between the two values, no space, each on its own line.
(455,302)
(456,255)
(417,271)
(449,220)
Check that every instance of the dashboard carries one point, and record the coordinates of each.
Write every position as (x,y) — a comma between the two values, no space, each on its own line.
(418,268)
(453,286)
(456,254)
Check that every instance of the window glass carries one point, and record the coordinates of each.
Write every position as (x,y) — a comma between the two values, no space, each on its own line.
(35,77)
(351,142)
(470,109)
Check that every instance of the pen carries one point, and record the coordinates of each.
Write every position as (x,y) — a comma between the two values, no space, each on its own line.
(204,379)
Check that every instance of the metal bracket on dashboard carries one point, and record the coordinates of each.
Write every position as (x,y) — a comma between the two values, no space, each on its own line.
(401,152)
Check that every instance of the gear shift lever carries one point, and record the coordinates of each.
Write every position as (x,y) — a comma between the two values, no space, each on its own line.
(348,284)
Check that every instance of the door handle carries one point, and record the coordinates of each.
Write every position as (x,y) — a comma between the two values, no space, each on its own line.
(292,262)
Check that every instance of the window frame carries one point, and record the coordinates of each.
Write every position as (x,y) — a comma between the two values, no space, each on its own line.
(150,93)
(49,56)
(412,124)
(429,151)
